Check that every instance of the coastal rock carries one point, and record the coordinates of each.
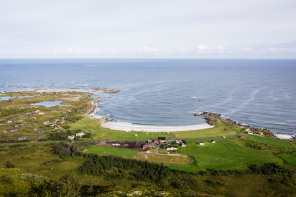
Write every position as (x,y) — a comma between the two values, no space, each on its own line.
(111,91)
(105,119)
(211,118)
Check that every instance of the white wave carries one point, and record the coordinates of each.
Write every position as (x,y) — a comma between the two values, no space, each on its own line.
(126,126)
(284,136)
(245,103)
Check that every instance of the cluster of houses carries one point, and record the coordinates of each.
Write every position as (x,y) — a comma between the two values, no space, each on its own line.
(70,137)
(202,143)
(250,132)
(17,125)
(160,141)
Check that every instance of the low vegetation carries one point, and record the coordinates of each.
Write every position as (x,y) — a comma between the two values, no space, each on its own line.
(237,164)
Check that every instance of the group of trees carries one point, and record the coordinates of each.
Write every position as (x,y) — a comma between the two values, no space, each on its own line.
(131,169)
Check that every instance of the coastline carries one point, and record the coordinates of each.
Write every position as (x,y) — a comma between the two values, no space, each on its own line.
(124,126)
(106,122)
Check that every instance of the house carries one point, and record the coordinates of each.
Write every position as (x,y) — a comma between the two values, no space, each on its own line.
(79,134)
(178,141)
(136,135)
(145,146)
(1,123)
(261,133)
(242,136)
(149,141)
(116,144)
(41,113)
(172,148)
(21,138)
(213,141)
(201,143)
(9,121)
(12,130)
(162,139)
(183,145)
(18,124)
(45,122)
(71,137)
(156,141)
(56,120)
(223,136)
(37,130)
(250,132)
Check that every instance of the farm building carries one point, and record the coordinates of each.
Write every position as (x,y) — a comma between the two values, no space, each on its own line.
(145,146)
(213,141)
(71,137)
(79,134)
(201,143)
(162,139)
(12,130)
(172,148)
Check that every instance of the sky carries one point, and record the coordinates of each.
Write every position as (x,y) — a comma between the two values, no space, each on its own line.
(147,29)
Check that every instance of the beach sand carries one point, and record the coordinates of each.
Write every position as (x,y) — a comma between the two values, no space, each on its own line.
(124,126)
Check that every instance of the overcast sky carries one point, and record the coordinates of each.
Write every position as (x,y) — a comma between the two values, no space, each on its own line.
(148,28)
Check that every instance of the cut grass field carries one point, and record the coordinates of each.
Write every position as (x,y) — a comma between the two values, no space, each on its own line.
(225,154)
(120,152)
(163,158)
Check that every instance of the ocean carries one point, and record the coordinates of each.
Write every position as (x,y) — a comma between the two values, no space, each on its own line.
(167,92)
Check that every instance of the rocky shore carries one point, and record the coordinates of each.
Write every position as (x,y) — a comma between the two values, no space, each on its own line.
(212,118)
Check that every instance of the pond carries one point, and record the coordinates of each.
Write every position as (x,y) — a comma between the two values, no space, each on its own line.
(50,103)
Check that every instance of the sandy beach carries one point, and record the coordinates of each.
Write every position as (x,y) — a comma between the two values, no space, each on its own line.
(124,126)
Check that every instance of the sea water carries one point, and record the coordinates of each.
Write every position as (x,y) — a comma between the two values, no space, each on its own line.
(167,92)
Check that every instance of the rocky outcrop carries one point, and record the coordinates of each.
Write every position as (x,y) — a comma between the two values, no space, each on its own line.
(111,91)
(105,119)
(211,118)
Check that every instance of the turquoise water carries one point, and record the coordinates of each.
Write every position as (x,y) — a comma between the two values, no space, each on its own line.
(261,93)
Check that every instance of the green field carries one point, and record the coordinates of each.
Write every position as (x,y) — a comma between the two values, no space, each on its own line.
(120,152)
(225,154)
(164,158)
(219,130)
(289,158)
(93,125)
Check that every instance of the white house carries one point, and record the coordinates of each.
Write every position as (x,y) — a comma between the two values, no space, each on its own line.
(172,148)
(79,134)
(71,137)
(201,143)
(213,141)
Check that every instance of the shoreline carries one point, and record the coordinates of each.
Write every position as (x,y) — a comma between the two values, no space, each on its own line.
(106,122)
(125,126)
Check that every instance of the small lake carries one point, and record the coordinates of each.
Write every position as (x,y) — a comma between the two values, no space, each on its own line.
(5,98)
(50,103)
